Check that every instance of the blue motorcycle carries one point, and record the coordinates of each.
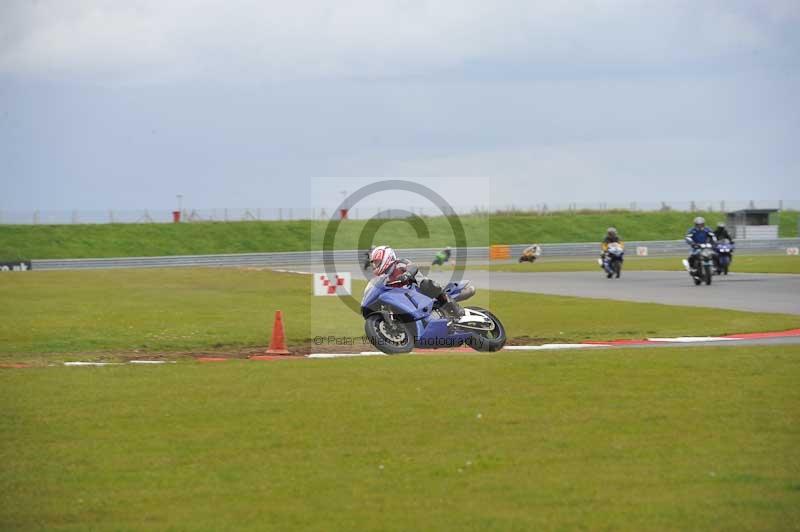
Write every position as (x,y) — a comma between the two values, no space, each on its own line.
(723,256)
(398,319)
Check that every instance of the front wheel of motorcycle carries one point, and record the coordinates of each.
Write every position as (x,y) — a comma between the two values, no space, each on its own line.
(391,337)
(488,341)
(707,274)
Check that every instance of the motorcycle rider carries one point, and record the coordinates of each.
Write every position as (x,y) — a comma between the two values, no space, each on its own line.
(698,234)
(611,237)
(722,233)
(403,272)
(443,257)
(531,253)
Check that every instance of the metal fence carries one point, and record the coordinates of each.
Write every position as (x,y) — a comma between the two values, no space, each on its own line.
(36,217)
(421,255)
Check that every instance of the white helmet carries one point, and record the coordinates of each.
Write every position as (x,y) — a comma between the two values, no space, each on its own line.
(699,221)
(381,258)
(721,224)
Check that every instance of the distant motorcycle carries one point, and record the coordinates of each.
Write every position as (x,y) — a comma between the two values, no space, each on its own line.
(442,257)
(530,254)
(612,260)
(723,256)
(700,265)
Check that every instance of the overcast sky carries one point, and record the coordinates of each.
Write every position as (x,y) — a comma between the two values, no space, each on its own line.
(112,104)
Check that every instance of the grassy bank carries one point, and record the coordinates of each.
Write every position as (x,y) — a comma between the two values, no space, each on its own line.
(667,439)
(69,314)
(125,240)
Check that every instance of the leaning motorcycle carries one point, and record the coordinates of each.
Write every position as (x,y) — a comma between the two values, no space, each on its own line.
(398,319)
(612,260)
(723,257)
(439,259)
(702,261)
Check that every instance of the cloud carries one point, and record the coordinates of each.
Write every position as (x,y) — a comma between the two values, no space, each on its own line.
(246,40)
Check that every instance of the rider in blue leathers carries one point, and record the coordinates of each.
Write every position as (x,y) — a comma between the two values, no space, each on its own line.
(699,234)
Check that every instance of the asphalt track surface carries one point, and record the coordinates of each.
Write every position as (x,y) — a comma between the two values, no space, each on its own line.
(737,291)
(749,292)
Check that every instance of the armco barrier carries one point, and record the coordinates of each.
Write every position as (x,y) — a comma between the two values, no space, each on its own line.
(421,255)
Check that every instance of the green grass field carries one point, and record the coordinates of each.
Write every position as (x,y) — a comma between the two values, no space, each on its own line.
(126,240)
(661,439)
(741,264)
(88,314)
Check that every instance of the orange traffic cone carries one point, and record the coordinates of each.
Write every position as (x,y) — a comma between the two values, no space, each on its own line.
(277,344)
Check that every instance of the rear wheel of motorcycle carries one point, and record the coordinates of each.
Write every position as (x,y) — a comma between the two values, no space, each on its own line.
(617,268)
(391,338)
(488,341)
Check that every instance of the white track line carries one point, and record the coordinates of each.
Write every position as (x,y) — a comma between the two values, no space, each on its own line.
(546,347)
(344,355)
(93,364)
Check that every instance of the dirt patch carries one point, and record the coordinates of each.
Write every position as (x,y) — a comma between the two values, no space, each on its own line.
(249,352)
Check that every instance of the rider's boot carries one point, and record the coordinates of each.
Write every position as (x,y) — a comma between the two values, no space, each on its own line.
(450,308)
